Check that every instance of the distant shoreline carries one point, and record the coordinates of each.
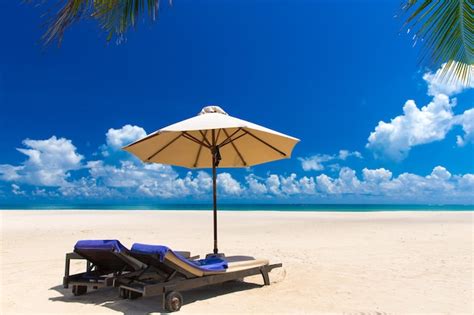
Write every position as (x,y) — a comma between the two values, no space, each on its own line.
(245,207)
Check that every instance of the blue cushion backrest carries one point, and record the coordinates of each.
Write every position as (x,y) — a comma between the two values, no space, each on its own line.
(103,254)
(151,250)
(209,264)
(106,245)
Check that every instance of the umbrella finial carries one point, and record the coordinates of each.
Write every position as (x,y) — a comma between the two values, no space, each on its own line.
(211,110)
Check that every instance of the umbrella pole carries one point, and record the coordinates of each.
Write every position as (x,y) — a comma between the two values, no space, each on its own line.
(214,190)
(215,162)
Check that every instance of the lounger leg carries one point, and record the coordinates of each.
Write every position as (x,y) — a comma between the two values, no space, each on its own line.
(66,272)
(163,300)
(266,277)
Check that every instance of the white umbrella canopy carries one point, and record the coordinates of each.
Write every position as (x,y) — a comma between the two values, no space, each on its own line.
(213,139)
(189,143)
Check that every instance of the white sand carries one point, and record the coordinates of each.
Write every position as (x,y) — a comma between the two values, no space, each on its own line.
(353,263)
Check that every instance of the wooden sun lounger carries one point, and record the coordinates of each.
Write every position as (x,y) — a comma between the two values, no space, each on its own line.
(103,266)
(170,274)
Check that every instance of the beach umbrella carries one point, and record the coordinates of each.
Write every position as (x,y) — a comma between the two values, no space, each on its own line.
(213,139)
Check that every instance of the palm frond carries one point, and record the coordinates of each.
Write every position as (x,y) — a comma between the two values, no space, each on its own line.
(446,30)
(115,17)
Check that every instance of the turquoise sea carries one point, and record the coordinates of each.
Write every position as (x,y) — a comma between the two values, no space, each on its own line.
(246,207)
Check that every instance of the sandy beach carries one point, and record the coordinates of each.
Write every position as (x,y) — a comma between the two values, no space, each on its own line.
(352,263)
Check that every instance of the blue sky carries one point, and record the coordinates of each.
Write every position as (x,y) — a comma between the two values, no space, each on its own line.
(326,72)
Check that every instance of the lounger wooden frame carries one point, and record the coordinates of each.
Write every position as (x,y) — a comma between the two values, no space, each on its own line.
(170,275)
(158,278)
(146,289)
(102,279)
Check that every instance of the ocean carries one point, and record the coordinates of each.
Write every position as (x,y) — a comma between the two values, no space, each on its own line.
(244,207)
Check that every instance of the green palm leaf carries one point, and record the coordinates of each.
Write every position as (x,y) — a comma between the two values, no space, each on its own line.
(446,30)
(115,17)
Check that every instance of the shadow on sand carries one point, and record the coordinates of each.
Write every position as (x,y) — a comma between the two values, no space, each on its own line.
(108,297)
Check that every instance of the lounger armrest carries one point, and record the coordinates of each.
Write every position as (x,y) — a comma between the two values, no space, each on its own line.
(74,255)
(70,256)
(273,266)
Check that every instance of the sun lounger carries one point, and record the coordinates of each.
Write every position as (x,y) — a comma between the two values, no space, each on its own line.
(169,272)
(106,260)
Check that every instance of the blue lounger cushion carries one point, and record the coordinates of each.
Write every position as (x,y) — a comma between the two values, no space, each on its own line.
(107,255)
(105,245)
(208,264)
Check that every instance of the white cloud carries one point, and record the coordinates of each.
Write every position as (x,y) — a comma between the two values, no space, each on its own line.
(228,185)
(326,184)
(49,163)
(47,171)
(16,190)
(129,174)
(317,162)
(273,184)
(394,140)
(344,154)
(254,186)
(376,176)
(9,172)
(346,183)
(466,120)
(439,186)
(151,179)
(374,185)
(117,138)
(279,185)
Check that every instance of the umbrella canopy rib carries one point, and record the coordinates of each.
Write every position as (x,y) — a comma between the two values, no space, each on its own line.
(217,137)
(204,137)
(192,138)
(235,147)
(265,143)
(200,148)
(233,140)
(229,138)
(164,147)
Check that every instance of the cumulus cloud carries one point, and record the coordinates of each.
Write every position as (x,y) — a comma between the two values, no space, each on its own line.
(346,183)
(16,190)
(416,126)
(47,172)
(228,185)
(393,140)
(466,120)
(374,185)
(317,162)
(279,185)
(344,154)
(438,186)
(49,163)
(117,138)
(255,186)
(376,176)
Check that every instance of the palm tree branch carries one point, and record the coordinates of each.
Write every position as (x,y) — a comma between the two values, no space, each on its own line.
(446,29)
(115,17)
